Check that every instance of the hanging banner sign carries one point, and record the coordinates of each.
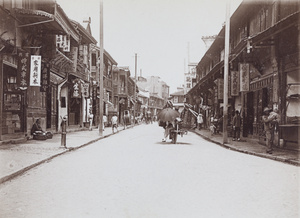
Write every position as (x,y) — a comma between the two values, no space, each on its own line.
(235,83)
(66,46)
(76,89)
(85,90)
(59,40)
(220,84)
(63,41)
(35,70)
(23,70)
(45,78)
(74,53)
(244,77)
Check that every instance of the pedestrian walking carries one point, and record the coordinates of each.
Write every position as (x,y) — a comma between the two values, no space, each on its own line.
(114,123)
(104,121)
(91,116)
(236,125)
(199,121)
(268,128)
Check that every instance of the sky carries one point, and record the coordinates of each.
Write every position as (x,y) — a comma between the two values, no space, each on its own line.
(165,34)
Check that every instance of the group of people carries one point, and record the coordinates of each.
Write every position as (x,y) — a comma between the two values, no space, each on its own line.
(114,122)
(270,119)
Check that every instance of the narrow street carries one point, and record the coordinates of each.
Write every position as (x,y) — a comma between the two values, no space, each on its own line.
(133,174)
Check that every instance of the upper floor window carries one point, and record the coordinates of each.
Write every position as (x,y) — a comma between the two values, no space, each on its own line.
(25,4)
(94,59)
(175,100)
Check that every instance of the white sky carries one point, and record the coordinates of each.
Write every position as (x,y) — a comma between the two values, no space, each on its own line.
(159,31)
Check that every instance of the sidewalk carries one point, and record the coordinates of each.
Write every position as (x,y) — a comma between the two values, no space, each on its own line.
(252,147)
(15,159)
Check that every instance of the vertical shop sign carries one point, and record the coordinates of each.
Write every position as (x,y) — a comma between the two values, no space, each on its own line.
(23,70)
(220,84)
(235,83)
(244,77)
(74,54)
(63,41)
(76,89)
(94,92)
(59,40)
(35,70)
(85,90)
(66,47)
(45,77)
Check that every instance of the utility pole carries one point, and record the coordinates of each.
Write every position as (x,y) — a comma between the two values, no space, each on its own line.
(226,68)
(101,72)
(135,88)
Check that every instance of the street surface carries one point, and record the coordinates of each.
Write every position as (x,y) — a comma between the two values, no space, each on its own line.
(133,174)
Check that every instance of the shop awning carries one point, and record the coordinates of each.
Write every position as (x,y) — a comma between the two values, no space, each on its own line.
(215,69)
(132,101)
(109,103)
(48,23)
(280,26)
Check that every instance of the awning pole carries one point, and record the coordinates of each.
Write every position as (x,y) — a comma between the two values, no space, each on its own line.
(101,71)
(226,68)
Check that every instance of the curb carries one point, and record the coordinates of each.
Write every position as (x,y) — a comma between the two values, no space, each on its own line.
(22,171)
(268,156)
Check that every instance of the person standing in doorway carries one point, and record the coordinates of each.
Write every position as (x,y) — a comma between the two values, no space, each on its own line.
(114,123)
(269,129)
(236,125)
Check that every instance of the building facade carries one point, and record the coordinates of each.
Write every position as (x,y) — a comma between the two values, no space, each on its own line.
(36,45)
(263,72)
(49,69)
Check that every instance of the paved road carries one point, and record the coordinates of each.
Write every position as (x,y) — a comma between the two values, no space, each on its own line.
(133,174)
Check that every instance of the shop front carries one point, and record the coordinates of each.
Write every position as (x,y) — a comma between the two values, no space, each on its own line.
(13,113)
(254,101)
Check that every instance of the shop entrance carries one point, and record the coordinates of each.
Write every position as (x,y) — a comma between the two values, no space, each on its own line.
(250,112)
(13,103)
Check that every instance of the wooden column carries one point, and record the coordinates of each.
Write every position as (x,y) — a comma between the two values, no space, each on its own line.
(1,95)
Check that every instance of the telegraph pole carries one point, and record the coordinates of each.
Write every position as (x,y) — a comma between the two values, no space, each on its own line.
(134,88)
(226,68)
(101,71)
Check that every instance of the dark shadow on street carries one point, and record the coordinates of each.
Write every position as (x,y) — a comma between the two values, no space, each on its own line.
(170,143)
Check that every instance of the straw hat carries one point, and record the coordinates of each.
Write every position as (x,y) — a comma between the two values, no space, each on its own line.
(266,109)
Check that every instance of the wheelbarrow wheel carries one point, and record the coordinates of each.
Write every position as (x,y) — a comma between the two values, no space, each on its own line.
(174,137)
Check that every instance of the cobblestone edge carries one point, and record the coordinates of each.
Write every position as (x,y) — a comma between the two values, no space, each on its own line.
(268,156)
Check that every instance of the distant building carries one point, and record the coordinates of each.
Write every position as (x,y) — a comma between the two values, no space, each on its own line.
(190,77)
(158,92)
(177,98)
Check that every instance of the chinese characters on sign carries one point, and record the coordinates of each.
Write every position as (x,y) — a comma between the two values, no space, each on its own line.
(35,70)
(63,41)
(235,83)
(45,78)
(76,88)
(74,58)
(220,84)
(85,90)
(244,77)
(23,70)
